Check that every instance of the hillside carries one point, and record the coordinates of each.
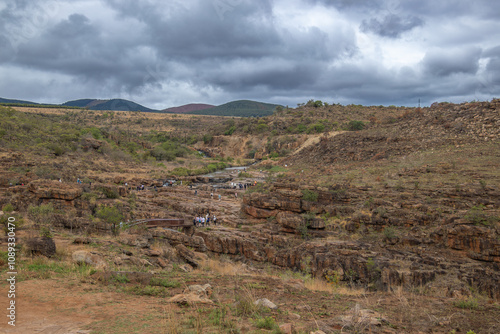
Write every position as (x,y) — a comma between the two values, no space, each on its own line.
(188,108)
(10,101)
(240,108)
(113,105)
(353,219)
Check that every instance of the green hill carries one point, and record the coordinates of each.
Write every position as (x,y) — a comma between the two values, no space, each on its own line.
(82,103)
(5,101)
(240,108)
(113,104)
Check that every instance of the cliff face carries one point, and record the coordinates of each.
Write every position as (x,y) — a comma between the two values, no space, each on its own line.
(427,245)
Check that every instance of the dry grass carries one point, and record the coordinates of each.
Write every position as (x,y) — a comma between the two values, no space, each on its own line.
(223,268)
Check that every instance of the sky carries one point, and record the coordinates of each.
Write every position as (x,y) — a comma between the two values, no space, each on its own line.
(168,53)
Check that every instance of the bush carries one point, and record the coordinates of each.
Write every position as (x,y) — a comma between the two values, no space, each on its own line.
(355,125)
(41,214)
(316,128)
(4,222)
(8,208)
(109,193)
(207,138)
(230,130)
(477,216)
(309,195)
(266,323)
(470,304)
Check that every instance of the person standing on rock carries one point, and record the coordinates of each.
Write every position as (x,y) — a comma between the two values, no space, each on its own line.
(212,195)
(219,197)
(215,219)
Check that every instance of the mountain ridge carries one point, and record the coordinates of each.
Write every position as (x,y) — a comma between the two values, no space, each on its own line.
(238,108)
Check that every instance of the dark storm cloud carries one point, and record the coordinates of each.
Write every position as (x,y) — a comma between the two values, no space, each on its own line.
(160,53)
(391,25)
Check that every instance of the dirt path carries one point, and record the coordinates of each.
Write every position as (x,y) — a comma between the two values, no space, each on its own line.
(45,307)
(314,139)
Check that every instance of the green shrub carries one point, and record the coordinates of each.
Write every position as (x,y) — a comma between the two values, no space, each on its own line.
(42,213)
(230,130)
(309,195)
(8,208)
(477,216)
(147,290)
(266,323)
(355,125)
(165,282)
(108,192)
(120,278)
(389,232)
(18,221)
(470,304)
(207,138)
(316,128)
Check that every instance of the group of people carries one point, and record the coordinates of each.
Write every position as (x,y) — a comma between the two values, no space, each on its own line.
(239,185)
(204,220)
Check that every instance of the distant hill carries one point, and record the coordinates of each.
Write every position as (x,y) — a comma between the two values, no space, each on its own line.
(78,103)
(241,108)
(188,108)
(113,104)
(2,100)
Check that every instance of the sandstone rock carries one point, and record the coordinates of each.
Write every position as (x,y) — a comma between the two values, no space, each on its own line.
(361,318)
(258,212)
(153,253)
(134,240)
(51,189)
(189,299)
(161,262)
(186,268)
(479,241)
(175,238)
(187,255)
(82,240)
(290,220)
(266,303)
(202,290)
(286,328)
(90,258)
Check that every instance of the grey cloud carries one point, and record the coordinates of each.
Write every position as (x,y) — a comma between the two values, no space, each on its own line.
(446,62)
(391,25)
(153,51)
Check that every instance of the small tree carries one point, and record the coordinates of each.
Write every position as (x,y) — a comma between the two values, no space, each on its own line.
(112,216)
(42,215)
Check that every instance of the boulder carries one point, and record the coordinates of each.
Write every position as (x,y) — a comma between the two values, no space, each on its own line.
(138,241)
(90,258)
(189,299)
(41,246)
(187,255)
(266,303)
(290,220)
(201,290)
(286,328)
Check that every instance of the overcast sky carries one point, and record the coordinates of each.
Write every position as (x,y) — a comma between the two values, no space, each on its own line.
(168,53)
